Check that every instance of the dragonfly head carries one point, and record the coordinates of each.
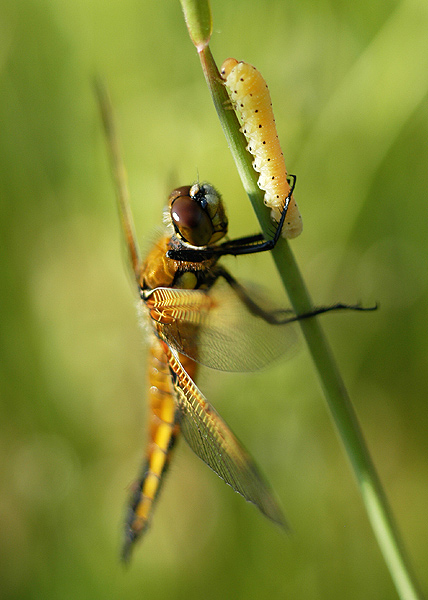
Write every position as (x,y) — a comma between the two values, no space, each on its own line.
(197,214)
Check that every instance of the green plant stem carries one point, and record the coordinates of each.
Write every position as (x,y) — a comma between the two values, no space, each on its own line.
(350,433)
(338,401)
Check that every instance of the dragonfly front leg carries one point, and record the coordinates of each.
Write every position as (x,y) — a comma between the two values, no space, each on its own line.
(245,245)
(257,243)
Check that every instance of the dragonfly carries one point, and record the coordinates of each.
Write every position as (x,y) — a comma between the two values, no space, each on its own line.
(199,314)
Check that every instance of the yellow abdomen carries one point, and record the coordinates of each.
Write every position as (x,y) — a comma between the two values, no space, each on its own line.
(163,432)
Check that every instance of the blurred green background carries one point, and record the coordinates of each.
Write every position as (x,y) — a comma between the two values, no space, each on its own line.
(349,86)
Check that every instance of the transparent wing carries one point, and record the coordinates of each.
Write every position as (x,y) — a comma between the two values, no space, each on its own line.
(211,439)
(217,329)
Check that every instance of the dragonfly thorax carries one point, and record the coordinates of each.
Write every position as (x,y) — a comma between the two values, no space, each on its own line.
(197,214)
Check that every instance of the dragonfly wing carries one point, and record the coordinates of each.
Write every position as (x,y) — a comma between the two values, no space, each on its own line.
(217,329)
(211,439)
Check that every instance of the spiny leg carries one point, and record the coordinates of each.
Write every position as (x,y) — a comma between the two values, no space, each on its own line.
(240,246)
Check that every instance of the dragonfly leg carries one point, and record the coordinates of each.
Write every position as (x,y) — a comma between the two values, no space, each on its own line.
(270,317)
(245,245)
(283,316)
(257,243)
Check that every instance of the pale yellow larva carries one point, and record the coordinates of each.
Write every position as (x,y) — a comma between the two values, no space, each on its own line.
(250,97)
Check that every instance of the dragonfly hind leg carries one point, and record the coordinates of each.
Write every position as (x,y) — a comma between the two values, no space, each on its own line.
(283,316)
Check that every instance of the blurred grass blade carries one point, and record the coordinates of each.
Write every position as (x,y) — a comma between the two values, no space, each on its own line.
(119,175)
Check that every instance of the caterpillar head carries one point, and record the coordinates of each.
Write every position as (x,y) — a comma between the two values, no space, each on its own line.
(226,67)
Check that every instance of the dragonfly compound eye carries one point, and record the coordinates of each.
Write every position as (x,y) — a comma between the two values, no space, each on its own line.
(191,221)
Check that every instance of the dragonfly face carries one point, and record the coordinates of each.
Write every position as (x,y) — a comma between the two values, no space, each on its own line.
(199,313)
(197,214)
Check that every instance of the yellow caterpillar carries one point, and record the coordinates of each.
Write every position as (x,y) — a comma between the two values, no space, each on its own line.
(250,97)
